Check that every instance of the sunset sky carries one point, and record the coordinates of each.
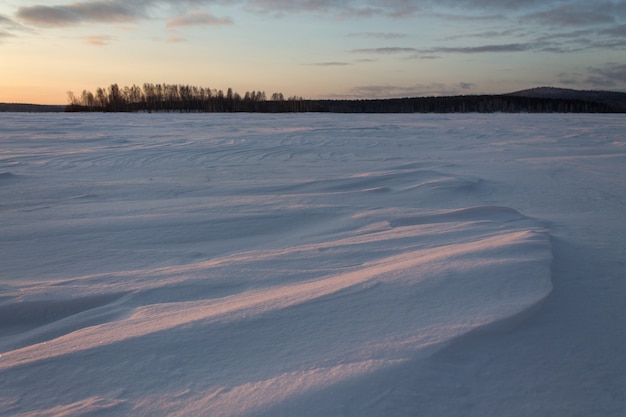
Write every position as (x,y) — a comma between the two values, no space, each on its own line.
(311,48)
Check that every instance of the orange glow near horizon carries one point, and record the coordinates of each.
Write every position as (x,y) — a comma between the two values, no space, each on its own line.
(33,95)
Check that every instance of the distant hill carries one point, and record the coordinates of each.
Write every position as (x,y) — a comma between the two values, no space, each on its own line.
(31,108)
(614,99)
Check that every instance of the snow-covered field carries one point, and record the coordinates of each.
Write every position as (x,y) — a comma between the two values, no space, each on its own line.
(312,265)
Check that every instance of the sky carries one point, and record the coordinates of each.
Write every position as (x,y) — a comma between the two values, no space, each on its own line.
(311,48)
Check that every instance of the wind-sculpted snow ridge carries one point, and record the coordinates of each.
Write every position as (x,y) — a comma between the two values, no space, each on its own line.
(221,273)
(259,327)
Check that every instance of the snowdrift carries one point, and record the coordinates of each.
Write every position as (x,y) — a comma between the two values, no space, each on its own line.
(235,265)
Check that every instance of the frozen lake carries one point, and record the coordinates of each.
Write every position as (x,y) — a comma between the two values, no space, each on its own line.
(312,265)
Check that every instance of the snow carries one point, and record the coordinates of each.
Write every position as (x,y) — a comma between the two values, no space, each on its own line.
(312,265)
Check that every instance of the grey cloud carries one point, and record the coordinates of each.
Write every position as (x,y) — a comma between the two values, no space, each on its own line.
(496,4)
(73,13)
(338,9)
(48,15)
(615,44)
(5,34)
(111,11)
(568,81)
(470,18)
(490,34)
(403,9)
(10,28)
(617,30)
(76,13)
(545,12)
(199,19)
(343,9)
(418,90)
(571,12)
(571,18)
(381,91)
(611,75)
(584,39)
(580,13)
(579,34)
(330,64)
(5,21)
(613,37)
(9,24)
(352,11)
(384,50)
(378,35)
(393,8)
(512,47)
(286,6)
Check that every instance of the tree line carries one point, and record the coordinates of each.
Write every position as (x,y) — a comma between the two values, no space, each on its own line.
(466,104)
(185,98)
(179,98)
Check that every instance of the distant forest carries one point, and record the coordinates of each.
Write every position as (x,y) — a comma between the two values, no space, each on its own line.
(180,98)
(185,98)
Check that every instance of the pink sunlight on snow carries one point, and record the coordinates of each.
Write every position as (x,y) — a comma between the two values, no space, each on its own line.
(312,265)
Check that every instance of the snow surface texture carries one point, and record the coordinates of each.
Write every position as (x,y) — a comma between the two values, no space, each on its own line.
(312,265)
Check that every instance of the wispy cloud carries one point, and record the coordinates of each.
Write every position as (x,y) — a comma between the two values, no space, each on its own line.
(536,25)
(330,64)
(477,17)
(401,9)
(616,30)
(478,10)
(199,18)
(9,28)
(568,79)
(572,12)
(385,50)
(580,13)
(611,37)
(9,24)
(176,39)
(281,7)
(609,76)
(5,21)
(119,11)
(496,4)
(377,35)
(344,9)
(488,34)
(496,48)
(567,17)
(416,90)
(5,34)
(98,40)
(358,11)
